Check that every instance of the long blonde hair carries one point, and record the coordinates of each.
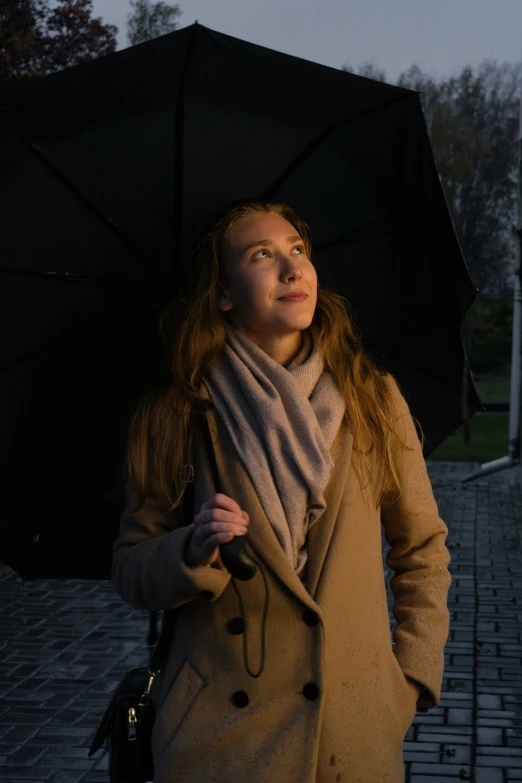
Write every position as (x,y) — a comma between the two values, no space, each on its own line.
(160,439)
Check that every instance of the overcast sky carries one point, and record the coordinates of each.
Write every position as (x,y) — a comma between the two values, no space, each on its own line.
(440,36)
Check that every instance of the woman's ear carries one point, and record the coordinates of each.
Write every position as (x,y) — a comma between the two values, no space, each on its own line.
(223,300)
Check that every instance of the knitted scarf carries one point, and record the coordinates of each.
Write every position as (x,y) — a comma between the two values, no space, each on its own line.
(282,421)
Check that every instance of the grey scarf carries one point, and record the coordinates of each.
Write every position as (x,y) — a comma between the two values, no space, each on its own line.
(282,421)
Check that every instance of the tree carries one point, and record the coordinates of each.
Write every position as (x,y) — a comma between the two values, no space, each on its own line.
(37,39)
(472,121)
(151,20)
(368,69)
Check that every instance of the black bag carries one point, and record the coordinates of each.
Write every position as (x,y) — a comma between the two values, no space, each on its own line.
(128,721)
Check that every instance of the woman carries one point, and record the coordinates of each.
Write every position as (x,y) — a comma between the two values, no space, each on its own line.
(315,448)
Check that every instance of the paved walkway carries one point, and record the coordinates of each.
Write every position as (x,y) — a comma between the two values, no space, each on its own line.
(66,644)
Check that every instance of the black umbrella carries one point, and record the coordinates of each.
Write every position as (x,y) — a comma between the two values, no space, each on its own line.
(109,172)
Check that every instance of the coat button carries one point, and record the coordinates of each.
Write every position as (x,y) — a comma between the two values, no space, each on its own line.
(208,595)
(236,625)
(240,699)
(310,691)
(310,617)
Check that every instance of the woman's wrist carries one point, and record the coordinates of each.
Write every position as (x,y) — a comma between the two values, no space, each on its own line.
(186,554)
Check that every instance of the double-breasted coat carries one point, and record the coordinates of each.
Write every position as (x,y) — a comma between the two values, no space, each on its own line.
(332,702)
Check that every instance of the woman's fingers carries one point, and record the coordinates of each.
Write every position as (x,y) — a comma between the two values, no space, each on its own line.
(220,519)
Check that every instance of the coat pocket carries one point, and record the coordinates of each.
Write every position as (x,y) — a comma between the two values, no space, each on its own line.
(175,707)
(404,701)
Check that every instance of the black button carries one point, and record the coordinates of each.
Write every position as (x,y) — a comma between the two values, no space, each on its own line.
(310,691)
(236,625)
(208,595)
(240,699)
(310,617)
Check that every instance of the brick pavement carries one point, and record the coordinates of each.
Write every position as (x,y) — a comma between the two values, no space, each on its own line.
(65,645)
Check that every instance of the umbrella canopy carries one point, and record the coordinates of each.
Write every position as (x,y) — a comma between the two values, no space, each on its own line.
(110,170)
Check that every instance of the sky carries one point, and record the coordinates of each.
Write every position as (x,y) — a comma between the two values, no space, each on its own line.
(441,36)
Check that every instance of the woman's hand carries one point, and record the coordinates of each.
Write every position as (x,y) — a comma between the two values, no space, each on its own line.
(220,519)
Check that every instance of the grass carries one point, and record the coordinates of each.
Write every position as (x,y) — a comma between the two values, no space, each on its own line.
(488,432)
(488,440)
(493,389)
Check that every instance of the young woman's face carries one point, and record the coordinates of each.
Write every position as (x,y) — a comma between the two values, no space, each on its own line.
(259,275)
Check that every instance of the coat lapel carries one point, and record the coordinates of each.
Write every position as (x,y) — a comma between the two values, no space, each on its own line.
(320,534)
(236,483)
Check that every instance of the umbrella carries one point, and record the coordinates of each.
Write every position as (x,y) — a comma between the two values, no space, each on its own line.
(111,169)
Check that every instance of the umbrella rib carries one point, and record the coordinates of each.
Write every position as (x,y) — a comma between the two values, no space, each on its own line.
(179,170)
(352,236)
(314,143)
(363,233)
(41,349)
(70,277)
(37,150)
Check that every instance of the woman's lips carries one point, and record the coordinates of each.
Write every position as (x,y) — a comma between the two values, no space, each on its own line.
(294,298)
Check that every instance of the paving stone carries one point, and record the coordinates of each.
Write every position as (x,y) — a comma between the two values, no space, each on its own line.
(430,778)
(439,737)
(29,720)
(452,771)
(25,773)
(25,780)
(18,735)
(102,764)
(459,717)
(489,701)
(62,732)
(426,758)
(498,761)
(69,777)
(455,753)
(488,776)
(494,750)
(489,736)
(498,714)
(27,755)
(421,746)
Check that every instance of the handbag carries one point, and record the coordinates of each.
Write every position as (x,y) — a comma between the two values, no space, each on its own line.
(126,726)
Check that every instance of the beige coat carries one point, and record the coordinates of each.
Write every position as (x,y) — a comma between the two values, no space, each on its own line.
(354,729)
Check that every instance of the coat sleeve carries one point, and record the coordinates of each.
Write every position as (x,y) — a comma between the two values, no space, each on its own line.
(420,559)
(148,565)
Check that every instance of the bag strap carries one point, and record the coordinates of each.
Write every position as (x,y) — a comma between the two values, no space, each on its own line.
(211,454)
(170,616)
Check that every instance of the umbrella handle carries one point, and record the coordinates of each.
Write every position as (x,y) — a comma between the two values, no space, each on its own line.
(237,560)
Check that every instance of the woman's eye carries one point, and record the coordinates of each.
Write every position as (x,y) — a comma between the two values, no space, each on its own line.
(300,247)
